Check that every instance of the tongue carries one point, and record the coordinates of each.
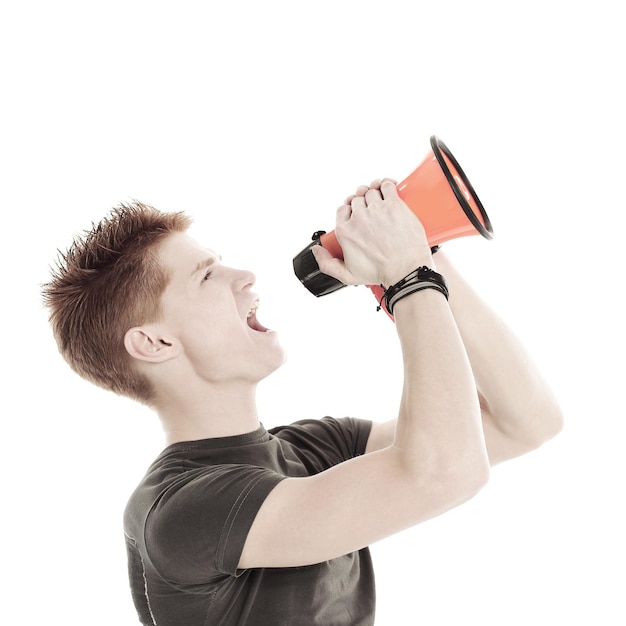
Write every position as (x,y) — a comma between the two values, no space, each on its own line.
(254,324)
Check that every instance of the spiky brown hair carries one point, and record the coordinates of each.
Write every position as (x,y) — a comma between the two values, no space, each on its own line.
(107,282)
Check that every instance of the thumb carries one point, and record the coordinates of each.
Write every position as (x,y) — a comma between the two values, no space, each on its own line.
(332,266)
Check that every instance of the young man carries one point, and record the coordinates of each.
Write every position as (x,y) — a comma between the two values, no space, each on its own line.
(236,525)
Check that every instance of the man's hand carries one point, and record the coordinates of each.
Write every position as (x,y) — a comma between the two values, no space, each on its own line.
(381,238)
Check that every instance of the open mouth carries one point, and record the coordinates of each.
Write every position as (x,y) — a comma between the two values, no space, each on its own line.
(253,322)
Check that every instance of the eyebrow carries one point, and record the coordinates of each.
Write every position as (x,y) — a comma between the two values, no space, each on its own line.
(206,263)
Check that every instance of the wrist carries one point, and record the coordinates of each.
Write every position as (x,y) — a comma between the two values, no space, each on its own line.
(420,279)
(393,276)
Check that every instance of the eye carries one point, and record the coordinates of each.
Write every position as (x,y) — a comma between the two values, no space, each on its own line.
(207,276)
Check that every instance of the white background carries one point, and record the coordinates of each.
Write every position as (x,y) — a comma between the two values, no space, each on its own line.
(258,118)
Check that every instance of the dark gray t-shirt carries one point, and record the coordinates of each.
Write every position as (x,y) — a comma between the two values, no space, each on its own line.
(187,522)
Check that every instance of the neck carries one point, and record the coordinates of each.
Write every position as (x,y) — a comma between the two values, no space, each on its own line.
(217,410)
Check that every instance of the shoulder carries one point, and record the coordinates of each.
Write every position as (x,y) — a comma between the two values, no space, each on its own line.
(197,524)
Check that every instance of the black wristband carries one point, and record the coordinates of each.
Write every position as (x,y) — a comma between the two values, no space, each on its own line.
(411,289)
(421,278)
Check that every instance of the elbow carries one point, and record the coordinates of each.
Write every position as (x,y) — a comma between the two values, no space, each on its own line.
(556,421)
(436,481)
(549,422)
(460,484)
(462,479)
(470,467)
(554,425)
(474,476)
(524,430)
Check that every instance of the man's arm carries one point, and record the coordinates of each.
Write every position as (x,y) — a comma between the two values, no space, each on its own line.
(437,459)
(519,411)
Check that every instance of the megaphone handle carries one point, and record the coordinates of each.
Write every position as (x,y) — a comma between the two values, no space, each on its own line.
(329,241)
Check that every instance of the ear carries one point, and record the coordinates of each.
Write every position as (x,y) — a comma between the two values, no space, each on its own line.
(145,344)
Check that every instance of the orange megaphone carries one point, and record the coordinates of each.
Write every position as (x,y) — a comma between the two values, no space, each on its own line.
(440,195)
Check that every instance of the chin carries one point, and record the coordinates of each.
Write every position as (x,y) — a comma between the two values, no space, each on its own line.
(278,360)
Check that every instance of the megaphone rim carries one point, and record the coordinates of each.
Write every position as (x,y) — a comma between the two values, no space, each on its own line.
(484,227)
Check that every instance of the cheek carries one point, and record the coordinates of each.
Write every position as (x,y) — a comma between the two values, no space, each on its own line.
(214,331)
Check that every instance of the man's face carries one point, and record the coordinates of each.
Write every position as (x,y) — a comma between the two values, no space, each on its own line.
(210,309)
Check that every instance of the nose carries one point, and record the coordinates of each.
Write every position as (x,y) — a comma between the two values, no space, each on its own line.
(243,279)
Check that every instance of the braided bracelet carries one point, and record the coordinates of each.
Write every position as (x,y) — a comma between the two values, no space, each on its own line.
(421,278)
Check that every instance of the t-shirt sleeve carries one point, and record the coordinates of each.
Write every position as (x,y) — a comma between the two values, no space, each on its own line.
(197,529)
(323,443)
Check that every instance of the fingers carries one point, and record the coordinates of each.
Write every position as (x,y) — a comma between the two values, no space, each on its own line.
(343,213)
(372,195)
(331,266)
(388,188)
(358,202)
(367,192)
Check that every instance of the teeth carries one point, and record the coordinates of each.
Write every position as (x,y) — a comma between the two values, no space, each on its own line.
(253,308)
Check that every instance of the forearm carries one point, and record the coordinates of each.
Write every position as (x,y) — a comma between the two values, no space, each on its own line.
(517,397)
(439,418)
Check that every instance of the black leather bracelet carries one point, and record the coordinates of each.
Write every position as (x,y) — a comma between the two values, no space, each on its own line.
(411,289)
(421,278)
